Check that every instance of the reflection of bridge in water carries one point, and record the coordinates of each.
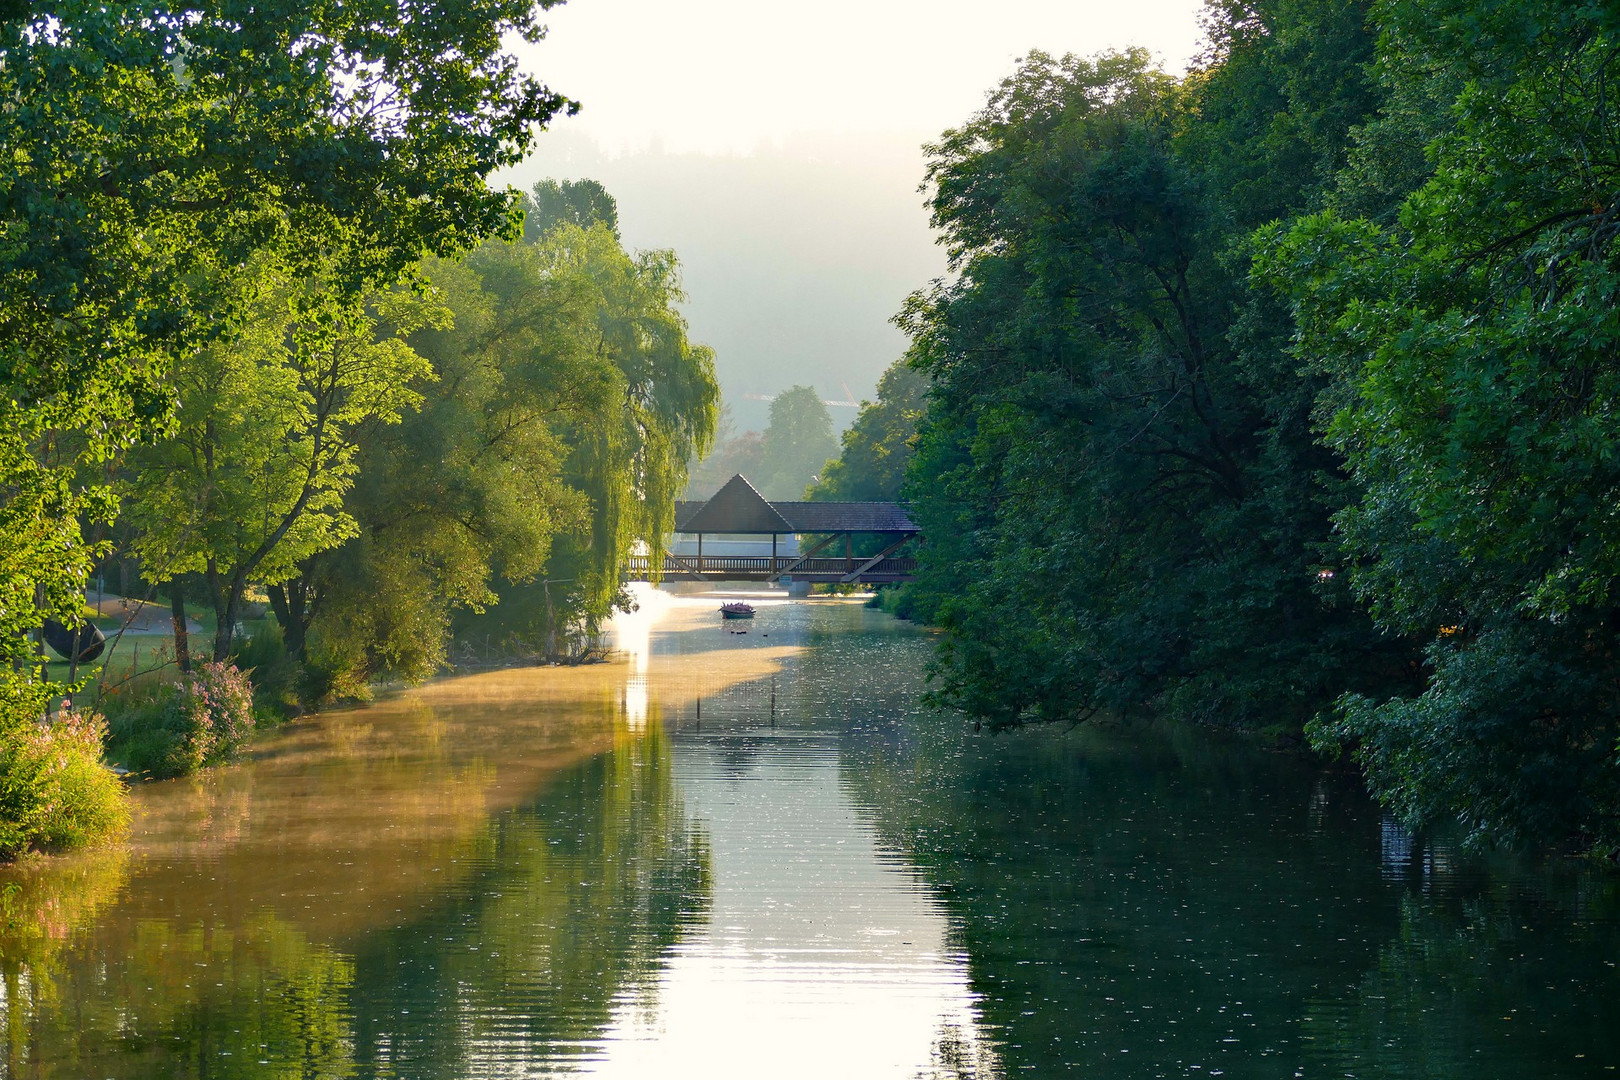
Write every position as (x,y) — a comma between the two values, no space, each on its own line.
(738,510)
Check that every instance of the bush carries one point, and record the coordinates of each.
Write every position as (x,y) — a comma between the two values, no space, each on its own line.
(55,792)
(335,673)
(164,730)
(277,678)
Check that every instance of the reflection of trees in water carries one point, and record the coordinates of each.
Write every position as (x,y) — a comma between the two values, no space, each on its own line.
(573,902)
(582,895)
(257,1000)
(44,908)
(1196,903)
(1493,978)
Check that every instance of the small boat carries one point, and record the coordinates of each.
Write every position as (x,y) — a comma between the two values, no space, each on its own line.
(737,610)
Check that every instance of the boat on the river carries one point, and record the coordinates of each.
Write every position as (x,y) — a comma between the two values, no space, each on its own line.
(737,610)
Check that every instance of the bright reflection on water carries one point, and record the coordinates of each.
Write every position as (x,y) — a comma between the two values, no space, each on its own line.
(741,850)
(813,925)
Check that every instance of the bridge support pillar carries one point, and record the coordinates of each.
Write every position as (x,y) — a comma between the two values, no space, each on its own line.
(796,587)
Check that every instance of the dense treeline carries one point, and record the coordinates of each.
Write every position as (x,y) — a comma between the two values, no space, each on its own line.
(270,339)
(1281,396)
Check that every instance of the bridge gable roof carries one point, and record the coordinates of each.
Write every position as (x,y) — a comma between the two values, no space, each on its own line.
(823,517)
(735,508)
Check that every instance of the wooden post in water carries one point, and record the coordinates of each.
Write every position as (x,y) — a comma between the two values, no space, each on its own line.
(700,553)
(773,553)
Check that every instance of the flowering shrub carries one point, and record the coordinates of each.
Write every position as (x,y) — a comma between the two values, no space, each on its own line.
(214,707)
(166,729)
(56,792)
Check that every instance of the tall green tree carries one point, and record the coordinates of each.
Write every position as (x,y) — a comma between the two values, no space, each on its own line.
(1469,345)
(798,443)
(874,452)
(265,439)
(557,436)
(557,202)
(152,150)
(1120,489)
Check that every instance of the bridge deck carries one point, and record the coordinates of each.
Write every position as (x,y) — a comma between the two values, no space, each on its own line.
(765,568)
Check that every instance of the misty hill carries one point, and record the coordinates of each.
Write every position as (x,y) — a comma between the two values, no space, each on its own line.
(794,258)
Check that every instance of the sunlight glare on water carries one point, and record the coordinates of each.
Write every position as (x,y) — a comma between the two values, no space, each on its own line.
(814,925)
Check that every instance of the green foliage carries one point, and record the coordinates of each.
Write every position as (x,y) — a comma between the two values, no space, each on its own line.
(871,466)
(266,435)
(567,405)
(152,149)
(162,729)
(734,452)
(1379,470)
(1470,350)
(1121,497)
(574,202)
(55,793)
(152,152)
(798,443)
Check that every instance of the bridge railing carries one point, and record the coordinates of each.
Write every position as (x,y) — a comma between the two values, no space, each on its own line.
(764,567)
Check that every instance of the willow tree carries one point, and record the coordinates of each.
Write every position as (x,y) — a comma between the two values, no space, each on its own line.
(568,403)
(634,466)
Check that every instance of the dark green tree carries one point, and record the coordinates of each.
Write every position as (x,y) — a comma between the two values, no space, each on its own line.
(871,464)
(576,202)
(1123,500)
(1469,349)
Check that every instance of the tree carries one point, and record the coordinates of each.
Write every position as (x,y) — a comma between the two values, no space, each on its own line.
(568,404)
(1469,349)
(264,443)
(577,202)
(733,452)
(1124,505)
(151,151)
(798,443)
(871,465)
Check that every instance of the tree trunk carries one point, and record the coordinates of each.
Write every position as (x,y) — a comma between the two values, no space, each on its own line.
(182,640)
(225,635)
(287,602)
(225,595)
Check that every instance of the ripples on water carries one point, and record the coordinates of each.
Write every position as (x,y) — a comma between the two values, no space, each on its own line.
(745,854)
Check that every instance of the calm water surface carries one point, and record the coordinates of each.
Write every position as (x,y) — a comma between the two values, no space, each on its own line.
(749,854)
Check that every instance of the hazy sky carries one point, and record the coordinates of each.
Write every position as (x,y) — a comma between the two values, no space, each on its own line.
(776,148)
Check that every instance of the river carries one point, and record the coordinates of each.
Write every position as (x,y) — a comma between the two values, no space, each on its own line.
(743,854)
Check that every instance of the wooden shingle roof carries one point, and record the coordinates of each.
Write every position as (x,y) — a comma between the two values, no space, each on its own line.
(867,517)
(735,508)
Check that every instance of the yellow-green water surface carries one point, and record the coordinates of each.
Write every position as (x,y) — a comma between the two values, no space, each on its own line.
(751,854)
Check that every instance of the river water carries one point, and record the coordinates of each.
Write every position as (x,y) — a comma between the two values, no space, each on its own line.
(752,854)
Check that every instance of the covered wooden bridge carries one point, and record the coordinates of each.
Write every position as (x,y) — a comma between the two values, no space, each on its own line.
(738,510)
